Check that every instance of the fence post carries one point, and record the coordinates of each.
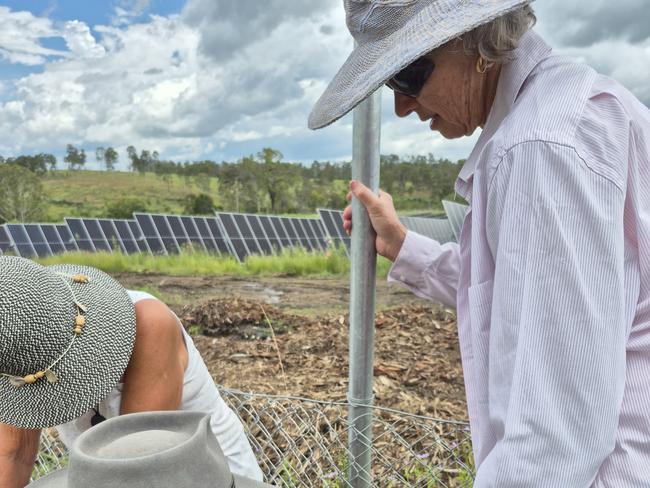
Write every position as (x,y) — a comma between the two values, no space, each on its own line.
(365,168)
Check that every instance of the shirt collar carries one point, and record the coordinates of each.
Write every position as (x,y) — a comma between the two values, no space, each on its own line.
(531,50)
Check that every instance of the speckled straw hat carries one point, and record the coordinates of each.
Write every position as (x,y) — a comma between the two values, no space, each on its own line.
(66,337)
(151,449)
(390,35)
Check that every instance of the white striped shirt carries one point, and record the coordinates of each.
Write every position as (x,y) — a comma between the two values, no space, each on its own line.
(551,279)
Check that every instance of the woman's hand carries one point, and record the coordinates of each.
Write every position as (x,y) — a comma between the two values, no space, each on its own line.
(383,218)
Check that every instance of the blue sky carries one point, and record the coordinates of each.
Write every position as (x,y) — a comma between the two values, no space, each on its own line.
(220,79)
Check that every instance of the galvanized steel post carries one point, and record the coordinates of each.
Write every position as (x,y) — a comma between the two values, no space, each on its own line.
(365,168)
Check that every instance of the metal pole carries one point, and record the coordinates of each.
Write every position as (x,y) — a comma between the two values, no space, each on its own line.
(365,168)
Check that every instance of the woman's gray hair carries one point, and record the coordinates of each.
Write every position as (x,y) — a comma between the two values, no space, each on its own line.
(496,40)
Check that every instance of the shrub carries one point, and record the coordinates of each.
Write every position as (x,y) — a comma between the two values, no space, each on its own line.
(124,208)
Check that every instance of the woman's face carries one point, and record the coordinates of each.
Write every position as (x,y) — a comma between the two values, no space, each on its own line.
(456,98)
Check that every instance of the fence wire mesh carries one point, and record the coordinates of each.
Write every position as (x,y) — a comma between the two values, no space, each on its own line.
(305,443)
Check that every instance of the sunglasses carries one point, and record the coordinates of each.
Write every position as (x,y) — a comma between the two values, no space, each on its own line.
(411,79)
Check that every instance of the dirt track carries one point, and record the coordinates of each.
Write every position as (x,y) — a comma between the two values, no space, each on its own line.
(417,363)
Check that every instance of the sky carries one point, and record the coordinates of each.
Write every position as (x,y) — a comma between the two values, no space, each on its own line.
(222,79)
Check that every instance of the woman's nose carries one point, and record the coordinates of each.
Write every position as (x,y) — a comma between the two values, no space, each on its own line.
(404,105)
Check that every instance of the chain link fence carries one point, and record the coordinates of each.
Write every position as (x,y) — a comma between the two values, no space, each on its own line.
(304,443)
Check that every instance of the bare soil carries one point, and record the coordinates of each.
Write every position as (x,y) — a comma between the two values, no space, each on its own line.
(289,336)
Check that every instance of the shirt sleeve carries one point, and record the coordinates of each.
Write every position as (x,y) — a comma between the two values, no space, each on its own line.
(558,328)
(427,268)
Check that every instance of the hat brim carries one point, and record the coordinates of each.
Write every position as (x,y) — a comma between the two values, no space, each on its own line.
(90,369)
(373,63)
(59,479)
(243,482)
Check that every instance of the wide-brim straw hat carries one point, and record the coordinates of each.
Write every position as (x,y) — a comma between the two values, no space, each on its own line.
(390,35)
(152,449)
(51,373)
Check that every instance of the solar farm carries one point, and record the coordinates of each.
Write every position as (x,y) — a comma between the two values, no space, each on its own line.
(231,234)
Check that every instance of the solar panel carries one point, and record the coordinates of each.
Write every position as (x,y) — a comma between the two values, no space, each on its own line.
(333,223)
(123,234)
(138,235)
(22,241)
(53,238)
(67,238)
(438,229)
(269,230)
(456,214)
(166,234)
(320,234)
(316,241)
(150,233)
(234,235)
(80,234)
(259,235)
(5,240)
(97,235)
(113,238)
(192,232)
(178,231)
(39,241)
(281,232)
(247,233)
(301,231)
(291,231)
(220,236)
(206,236)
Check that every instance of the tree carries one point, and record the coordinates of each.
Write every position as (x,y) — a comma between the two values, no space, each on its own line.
(110,158)
(132,154)
(276,179)
(36,164)
(21,194)
(124,208)
(200,204)
(100,154)
(75,158)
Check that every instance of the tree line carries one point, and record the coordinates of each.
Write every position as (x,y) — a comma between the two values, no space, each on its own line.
(260,183)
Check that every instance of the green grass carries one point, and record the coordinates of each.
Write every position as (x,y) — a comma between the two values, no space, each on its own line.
(89,193)
(86,193)
(289,263)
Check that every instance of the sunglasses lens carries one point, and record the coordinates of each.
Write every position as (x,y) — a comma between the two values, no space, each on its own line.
(411,79)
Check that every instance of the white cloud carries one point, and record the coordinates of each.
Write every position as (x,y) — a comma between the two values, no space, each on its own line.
(226,76)
(80,41)
(20,38)
(127,10)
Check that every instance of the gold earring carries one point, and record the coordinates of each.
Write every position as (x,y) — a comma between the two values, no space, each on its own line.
(481,65)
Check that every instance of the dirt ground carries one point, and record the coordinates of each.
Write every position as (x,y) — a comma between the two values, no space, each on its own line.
(289,336)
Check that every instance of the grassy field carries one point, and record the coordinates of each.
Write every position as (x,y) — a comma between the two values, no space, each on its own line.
(88,193)
(289,263)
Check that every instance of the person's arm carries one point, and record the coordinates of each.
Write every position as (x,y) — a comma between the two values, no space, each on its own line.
(429,269)
(154,377)
(558,324)
(18,449)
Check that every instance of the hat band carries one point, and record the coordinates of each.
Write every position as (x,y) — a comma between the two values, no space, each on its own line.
(80,322)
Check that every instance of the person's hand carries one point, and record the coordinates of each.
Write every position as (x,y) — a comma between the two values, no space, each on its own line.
(383,218)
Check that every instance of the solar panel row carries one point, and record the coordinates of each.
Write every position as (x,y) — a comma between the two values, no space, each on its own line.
(226,233)
(438,229)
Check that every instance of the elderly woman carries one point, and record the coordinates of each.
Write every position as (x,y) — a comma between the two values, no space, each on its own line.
(551,275)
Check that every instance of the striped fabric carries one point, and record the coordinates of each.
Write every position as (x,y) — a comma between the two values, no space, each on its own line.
(551,279)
